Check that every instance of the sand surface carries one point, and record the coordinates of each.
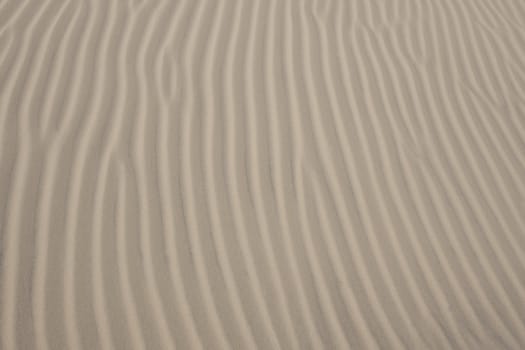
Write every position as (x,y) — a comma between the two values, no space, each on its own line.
(262,174)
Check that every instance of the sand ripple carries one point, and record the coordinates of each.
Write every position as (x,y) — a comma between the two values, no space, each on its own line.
(298,174)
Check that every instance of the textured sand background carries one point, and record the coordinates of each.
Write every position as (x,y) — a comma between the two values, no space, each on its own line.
(263,174)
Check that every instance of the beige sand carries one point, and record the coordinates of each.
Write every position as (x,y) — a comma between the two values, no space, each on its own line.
(262,174)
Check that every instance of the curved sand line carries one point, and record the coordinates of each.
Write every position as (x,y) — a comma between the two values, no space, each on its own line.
(298,174)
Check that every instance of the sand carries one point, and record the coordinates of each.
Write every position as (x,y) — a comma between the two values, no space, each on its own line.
(262,174)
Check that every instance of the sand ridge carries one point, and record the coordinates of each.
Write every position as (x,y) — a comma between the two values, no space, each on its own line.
(296,174)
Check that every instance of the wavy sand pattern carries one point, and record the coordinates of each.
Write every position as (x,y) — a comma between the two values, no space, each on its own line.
(262,174)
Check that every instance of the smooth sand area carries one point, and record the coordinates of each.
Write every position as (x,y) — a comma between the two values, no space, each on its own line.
(262,174)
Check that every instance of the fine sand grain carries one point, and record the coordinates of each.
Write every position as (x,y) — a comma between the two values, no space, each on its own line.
(262,174)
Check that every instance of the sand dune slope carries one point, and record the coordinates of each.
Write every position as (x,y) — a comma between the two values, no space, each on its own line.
(262,174)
